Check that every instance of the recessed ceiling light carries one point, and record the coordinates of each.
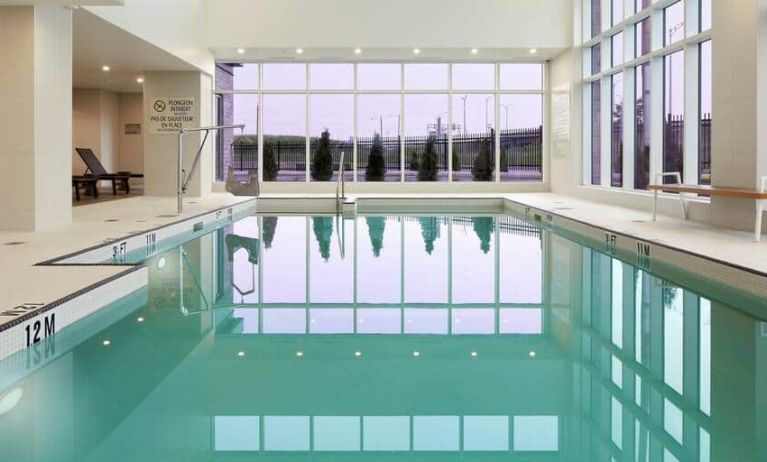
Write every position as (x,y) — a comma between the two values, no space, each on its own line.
(140,80)
(533,51)
(299,51)
(357,51)
(417,51)
(241,51)
(105,68)
(474,51)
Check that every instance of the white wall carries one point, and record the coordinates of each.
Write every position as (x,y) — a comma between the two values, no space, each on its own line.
(176,26)
(390,24)
(131,157)
(96,125)
(161,151)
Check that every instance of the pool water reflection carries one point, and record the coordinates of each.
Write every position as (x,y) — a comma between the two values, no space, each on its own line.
(437,337)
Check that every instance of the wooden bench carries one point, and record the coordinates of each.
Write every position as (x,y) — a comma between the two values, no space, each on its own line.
(758,196)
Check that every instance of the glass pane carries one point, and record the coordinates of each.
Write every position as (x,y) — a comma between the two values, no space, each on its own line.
(284,76)
(596,59)
(642,4)
(426,137)
(642,38)
(426,76)
(474,76)
(673,131)
(331,133)
(704,159)
(330,320)
(474,139)
(617,10)
(476,321)
(596,134)
(473,259)
(616,143)
(241,109)
(705,15)
(674,21)
(617,49)
(616,305)
(331,76)
(379,76)
(285,241)
(596,17)
(422,283)
(378,142)
(521,76)
(284,137)
(379,260)
(642,127)
(521,137)
(236,76)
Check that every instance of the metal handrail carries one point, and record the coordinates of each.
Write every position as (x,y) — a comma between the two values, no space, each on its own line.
(340,184)
(183,182)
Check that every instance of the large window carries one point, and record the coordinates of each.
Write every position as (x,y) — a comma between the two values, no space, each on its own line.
(616,142)
(642,111)
(392,122)
(655,52)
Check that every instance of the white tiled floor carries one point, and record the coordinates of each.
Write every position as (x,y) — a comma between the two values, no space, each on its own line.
(21,282)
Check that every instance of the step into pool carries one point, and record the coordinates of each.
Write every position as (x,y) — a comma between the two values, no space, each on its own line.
(389,337)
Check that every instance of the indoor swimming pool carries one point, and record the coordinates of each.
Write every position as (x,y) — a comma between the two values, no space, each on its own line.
(389,337)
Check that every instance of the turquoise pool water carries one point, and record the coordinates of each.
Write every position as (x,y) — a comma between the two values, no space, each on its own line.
(298,338)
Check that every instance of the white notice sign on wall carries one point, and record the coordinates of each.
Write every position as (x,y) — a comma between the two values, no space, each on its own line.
(168,115)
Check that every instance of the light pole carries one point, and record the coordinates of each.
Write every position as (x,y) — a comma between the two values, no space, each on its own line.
(487,122)
(465,97)
(671,32)
(506,107)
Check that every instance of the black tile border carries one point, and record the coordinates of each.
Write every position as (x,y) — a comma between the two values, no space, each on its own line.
(54,261)
(54,304)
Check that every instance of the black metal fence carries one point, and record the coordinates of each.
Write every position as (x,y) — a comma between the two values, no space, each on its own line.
(521,155)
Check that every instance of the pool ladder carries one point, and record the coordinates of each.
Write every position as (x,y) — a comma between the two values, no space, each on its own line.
(340,185)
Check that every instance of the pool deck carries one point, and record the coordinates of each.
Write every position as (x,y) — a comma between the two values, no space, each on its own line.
(22,282)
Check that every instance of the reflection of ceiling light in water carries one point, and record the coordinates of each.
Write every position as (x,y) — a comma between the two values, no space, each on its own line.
(358,353)
(9,400)
(140,319)
(300,354)
(161,263)
(473,354)
(106,342)
(416,353)
(241,354)
(532,354)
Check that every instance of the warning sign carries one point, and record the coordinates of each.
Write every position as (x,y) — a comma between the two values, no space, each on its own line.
(169,115)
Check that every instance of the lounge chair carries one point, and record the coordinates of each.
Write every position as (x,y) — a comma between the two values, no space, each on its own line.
(97,170)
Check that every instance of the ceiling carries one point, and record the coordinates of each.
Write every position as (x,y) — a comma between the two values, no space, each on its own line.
(98,43)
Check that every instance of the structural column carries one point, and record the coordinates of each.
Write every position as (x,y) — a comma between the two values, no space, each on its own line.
(35,117)
(739,127)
